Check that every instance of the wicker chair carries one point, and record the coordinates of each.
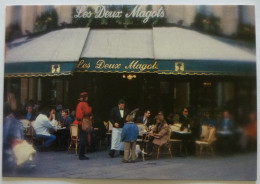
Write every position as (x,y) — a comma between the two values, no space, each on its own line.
(176,141)
(208,137)
(74,137)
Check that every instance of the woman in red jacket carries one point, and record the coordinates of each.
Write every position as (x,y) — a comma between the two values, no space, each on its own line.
(83,110)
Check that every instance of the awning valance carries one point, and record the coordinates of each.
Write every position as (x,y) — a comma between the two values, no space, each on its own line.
(39,69)
(52,54)
(206,67)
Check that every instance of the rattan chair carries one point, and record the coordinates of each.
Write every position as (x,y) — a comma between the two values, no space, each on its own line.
(74,137)
(208,137)
(109,128)
(176,141)
(26,124)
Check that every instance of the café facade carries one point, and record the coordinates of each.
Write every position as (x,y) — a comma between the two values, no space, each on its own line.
(161,68)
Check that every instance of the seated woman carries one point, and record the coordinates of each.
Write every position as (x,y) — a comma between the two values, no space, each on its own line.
(160,132)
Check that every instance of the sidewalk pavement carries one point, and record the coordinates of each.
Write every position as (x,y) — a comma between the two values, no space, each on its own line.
(237,167)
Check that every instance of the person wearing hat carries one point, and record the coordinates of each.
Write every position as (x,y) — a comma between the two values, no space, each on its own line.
(118,118)
(82,112)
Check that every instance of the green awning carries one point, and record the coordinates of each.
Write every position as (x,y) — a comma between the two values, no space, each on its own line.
(116,65)
(206,67)
(158,50)
(39,69)
(52,54)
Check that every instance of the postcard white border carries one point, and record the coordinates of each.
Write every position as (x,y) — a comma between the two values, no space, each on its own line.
(5,3)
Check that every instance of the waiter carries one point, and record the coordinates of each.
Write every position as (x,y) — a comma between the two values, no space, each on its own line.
(118,118)
(82,112)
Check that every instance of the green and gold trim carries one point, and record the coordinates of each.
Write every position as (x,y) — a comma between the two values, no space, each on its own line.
(39,69)
(117,65)
(206,67)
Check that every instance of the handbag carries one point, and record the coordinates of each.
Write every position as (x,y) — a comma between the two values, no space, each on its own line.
(23,152)
(86,124)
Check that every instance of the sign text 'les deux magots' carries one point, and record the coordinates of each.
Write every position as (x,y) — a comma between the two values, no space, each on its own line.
(102,65)
(102,12)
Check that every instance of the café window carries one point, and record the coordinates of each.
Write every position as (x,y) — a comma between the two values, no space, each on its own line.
(164,87)
(52,91)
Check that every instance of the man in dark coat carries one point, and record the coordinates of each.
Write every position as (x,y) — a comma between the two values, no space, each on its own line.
(145,119)
(117,118)
(185,120)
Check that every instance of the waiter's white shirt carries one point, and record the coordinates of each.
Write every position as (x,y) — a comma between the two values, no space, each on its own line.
(122,113)
(145,120)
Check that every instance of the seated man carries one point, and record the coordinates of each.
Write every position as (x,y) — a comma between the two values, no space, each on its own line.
(185,120)
(30,115)
(52,114)
(66,120)
(209,121)
(42,126)
(226,142)
(145,119)
(63,135)
(226,124)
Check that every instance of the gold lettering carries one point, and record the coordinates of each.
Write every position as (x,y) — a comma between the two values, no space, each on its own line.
(131,66)
(155,65)
(82,64)
(101,64)
(141,67)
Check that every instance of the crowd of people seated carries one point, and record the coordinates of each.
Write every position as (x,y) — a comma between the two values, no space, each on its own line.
(47,120)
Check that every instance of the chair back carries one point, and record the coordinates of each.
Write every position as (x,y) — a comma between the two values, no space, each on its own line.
(169,134)
(204,132)
(32,123)
(175,128)
(212,135)
(106,125)
(32,126)
(110,126)
(25,122)
(74,130)
(142,129)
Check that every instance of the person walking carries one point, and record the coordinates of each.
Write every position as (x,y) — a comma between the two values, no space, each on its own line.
(83,111)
